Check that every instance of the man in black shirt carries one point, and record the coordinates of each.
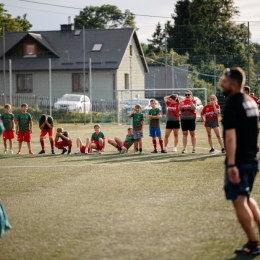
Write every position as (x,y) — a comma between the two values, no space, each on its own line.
(240,122)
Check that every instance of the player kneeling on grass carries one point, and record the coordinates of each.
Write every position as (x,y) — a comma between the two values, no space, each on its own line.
(24,128)
(98,140)
(81,148)
(138,126)
(46,126)
(66,140)
(8,122)
(154,115)
(123,146)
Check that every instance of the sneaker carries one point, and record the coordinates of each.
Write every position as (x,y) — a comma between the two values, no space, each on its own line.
(69,151)
(123,150)
(30,152)
(41,152)
(154,151)
(163,151)
(77,151)
(64,151)
(193,151)
(99,152)
(11,152)
(137,152)
(248,249)
(5,150)
(184,151)
(86,150)
(52,152)
(223,150)
(19,152)
(212,150)
(174,149)
(141,152)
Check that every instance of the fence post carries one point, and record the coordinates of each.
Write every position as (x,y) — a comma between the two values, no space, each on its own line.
(84,75)
(10,74)
(50,84)
(215,87)
(90,90)
(248,43)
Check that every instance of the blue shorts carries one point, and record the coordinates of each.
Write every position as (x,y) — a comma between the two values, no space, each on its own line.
(155,132)
(247,174)
(137,134)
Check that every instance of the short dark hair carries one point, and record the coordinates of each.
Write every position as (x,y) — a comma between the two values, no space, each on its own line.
(97,126)
(24,105)
(237,75)
(174,97)
(7,106)
(43,116)
(247,88)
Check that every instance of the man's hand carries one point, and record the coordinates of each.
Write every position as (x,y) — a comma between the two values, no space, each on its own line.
(233,175)
(150,117)
(141,132)
(46,118)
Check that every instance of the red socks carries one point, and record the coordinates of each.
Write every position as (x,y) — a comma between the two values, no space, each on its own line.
(161,144)
(154,144)
(42,144)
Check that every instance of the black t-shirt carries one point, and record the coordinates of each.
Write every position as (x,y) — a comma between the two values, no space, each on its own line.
(241,113)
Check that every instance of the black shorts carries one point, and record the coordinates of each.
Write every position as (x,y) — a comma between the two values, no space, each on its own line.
(188,125)
(247,174)
(173,125)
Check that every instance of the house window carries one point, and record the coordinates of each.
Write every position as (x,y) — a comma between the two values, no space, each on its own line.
(131,50)
(29,50)
(77,82)
(24,83)
(126,81)
(97,47)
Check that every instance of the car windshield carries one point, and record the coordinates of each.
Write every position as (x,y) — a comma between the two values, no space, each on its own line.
(70,98)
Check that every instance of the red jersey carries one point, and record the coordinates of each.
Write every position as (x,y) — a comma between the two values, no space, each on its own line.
(255,99)
(172,111)
(187,112)
(211,116)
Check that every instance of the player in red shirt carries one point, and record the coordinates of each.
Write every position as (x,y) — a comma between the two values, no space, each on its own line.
(188,120)
(209,116)
(173,120)
(246,90)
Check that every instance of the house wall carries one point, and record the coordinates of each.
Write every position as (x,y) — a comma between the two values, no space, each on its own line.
(138,73)
(61,82)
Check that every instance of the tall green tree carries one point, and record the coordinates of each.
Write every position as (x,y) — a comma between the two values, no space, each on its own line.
(104,17)
(20,23)
(157,43)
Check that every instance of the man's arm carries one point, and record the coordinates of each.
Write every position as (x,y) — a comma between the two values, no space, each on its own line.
(230,145)
(142,126)
(30,126)
(57,137)
(192,105)
(130,114)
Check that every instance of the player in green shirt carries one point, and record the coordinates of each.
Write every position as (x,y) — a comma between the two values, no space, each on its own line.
(8,122)
(46,126)
(24,128)
(66,140)
(98,140)
(123,146)
(138,126)
(154,115)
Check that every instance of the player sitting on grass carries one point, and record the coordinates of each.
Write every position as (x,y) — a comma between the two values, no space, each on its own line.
(154,115)
(81,148)
(8,122)
(24,128)
(138,126)
(123,146)
(66,140)
(46,126)
(98,140)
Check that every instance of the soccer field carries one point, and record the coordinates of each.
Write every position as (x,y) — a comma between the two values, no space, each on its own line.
(117,206)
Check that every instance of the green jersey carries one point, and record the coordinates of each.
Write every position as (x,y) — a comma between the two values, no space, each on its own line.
(8,121)
(67,134)
(129,140)
(49,120)
(95,137)
(137,121)
(154,122)
(23,121)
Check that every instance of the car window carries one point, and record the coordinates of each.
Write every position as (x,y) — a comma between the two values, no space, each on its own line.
(70,98)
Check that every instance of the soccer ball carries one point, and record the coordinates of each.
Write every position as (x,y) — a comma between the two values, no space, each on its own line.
(1,128)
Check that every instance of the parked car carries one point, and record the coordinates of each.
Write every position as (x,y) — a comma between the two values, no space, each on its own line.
(198,106)
(73,102)
(144,102)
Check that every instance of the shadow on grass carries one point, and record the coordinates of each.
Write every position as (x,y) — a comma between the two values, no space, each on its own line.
(242,257)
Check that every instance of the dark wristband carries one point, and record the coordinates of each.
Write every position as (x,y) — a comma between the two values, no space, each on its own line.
(231,165)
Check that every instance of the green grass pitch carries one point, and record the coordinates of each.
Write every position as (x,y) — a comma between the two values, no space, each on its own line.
(113,206)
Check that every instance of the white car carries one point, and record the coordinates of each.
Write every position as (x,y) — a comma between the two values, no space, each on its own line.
(144,102)
(73,102)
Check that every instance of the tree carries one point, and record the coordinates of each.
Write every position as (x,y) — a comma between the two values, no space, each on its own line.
(104,17)
(157,44)
(12,24)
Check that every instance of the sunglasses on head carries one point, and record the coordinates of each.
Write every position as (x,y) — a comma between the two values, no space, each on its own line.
(187,95)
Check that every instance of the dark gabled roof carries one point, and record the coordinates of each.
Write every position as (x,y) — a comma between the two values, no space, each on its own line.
(69,49)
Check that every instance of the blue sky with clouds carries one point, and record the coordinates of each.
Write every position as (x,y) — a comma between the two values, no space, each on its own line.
(49,17)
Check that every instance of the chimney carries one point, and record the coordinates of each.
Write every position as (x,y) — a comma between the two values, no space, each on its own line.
(67,27)
(69,20)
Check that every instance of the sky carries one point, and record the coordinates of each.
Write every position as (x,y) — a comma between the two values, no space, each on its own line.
(44,17)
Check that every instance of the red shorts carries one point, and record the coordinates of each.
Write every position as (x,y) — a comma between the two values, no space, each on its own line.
(24,137)
(97,144)
(45,132)
(83,148)
(61,144)
(8,135)
(125,145)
